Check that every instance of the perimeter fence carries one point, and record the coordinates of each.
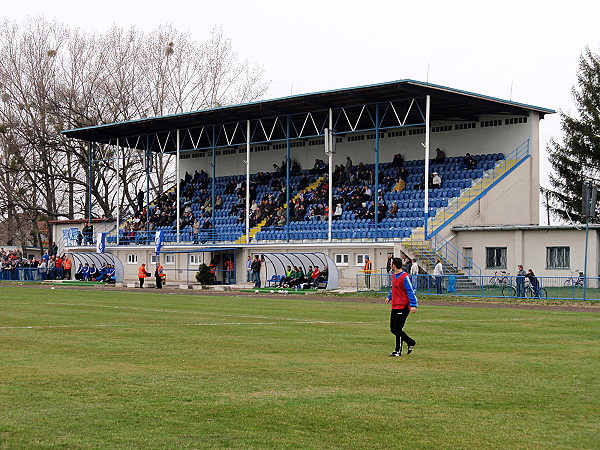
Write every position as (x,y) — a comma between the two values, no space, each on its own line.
(558,288)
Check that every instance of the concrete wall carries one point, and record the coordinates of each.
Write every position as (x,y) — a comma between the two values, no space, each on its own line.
(528,247)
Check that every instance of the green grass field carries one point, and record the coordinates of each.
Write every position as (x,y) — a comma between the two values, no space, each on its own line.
(108,369)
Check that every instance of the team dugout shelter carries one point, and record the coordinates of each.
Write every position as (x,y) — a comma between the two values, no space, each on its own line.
(312,136)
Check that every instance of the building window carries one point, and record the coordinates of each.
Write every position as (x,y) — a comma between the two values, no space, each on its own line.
(558,257)
(152,259)
(495,257)
(132,258)
(170,259)
(341,259)
(195,258)
(360,259)
(468,257)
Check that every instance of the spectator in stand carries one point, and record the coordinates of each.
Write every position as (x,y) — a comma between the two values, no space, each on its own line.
(393,210)
(140,200)
(398,161)
(436,181)
(399,186)
(469,162)
(348,166)
(295,169)
(337,214)
(206,231)
(440,156)
(88,233)
(196,230)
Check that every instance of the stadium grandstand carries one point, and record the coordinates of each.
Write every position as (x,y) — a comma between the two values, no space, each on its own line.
(404,167)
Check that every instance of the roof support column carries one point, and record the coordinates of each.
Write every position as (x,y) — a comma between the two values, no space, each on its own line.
(329,143)
(247,181)
(90,179)
(376,196)
(178,187)
(213,185)
(118,200)
(287,181)
(426,176)
(147,155)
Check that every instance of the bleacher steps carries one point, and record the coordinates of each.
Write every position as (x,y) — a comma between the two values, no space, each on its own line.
(254,231)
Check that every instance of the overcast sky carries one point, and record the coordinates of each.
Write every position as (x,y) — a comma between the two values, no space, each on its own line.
(528,47)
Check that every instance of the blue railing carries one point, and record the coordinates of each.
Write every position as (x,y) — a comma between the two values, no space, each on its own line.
(557,288)
(30,274)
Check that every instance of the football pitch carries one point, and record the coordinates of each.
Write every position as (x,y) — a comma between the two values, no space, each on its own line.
(112,369)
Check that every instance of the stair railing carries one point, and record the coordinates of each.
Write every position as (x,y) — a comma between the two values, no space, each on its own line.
(479,188)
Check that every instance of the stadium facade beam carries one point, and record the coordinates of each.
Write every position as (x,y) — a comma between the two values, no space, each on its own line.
(376,196)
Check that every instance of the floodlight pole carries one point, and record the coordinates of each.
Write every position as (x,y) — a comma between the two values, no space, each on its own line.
(247,181)
(178,188)
(426,176)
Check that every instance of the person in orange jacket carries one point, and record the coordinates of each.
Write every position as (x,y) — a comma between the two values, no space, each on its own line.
(368,270)
(142,274)
(159,273)
(66,267)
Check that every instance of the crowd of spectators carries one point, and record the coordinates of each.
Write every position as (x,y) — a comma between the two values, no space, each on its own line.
(352,192)
(51,266)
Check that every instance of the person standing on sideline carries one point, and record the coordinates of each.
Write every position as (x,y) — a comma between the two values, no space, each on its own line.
(67,267)
(438,273)
(368,270)
(249,269)
(404,301)
(159,274)
(388,265)
(414,274)
(256,271)
(142,274)
(388,269)
(520,279)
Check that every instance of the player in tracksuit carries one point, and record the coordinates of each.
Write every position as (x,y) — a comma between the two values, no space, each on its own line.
(404,301)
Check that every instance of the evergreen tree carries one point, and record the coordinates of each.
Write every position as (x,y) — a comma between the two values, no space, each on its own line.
(577,160)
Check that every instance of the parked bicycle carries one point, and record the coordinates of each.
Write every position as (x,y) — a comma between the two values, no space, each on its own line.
(502,279)
(530,291)
(509,291)
(576,278)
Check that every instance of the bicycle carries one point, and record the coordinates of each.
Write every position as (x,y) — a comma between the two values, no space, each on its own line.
(509,290)
(575,280)
(530,291)
(502,279)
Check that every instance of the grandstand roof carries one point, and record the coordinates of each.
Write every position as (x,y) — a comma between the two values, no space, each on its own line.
(446,104)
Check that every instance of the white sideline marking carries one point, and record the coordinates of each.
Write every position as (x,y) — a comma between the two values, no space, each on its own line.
(295,322)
